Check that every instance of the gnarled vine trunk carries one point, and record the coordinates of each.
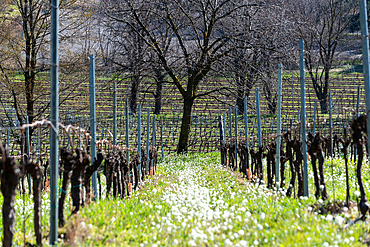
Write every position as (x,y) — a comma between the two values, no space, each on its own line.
(9,182)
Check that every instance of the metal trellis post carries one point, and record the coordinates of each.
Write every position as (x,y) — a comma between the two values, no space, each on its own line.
(114,114)
(54,118)
(236,138)
(224,126)
(246,120)
(127,135)
(278,129)
(258,117)
(28,154)
(147,141)
(303,120)
(358,102)
(365,58)
(230,125)
(314,117)
(162,137)
(331,141)
(222,136)
(154,137)
(93,123)
(139,140)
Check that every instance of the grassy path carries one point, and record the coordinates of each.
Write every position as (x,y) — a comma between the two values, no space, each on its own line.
(194,202)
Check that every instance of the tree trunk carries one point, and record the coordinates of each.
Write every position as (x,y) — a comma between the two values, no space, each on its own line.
(271,99)
(240,92)
(185,125)
(29,83)
(325,89)
(135,81)
(158,94)
(321,89)
(323,103)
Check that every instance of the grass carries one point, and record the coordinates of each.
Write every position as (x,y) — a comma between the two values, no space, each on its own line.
(194,202)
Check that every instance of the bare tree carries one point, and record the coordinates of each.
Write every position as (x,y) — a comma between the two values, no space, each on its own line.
(202,33)
(127,50)
(26,55)
(322,25)
(271,31)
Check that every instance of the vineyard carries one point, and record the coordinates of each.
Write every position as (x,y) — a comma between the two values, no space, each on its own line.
(204,135)
(139,165)
(184,123)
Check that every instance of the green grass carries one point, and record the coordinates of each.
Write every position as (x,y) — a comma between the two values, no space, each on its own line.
(194,202)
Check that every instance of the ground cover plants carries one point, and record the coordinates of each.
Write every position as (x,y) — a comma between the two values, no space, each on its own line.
(194,201)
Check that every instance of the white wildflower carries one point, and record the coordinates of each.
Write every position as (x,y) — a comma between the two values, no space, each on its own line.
(357,193)
(192,243)
(228,242)
(83,224)
(339,220)
(262,215)
(243,243)
(329,217)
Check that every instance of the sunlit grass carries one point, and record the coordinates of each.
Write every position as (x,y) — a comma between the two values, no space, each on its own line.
(194,202)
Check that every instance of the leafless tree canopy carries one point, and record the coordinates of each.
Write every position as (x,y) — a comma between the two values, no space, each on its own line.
(194,38)
(171,42)
(323,24)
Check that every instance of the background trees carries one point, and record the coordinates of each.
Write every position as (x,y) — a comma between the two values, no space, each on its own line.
(322,24)
(24,64)
(270,33)
(198,34)
(177,43)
